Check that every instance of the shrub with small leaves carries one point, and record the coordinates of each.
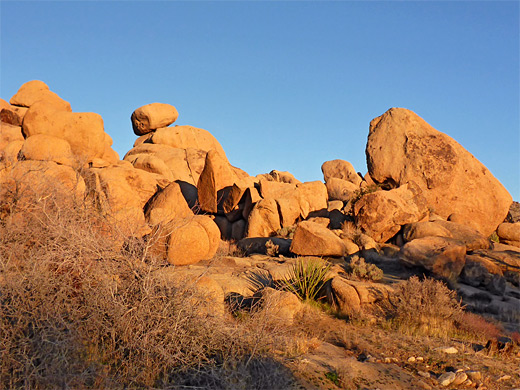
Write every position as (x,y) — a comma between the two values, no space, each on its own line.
(358,268)
(272,249)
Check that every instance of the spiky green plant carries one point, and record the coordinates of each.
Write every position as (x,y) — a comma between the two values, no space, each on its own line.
(306,278)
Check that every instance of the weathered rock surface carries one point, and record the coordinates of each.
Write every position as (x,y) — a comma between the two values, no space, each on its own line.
(47,148)
(279,176)
(83,131)
(281,305)
(217,177)
(187,137)
(412,231)
(167,204)
(472,238)
(187,241)
(13,115)
(509,233)
(258,245)
(402,147)
(30,181)
(340,169)
(381,214)
(153,116)
(313,239)
(35,91)
(264,220)
(8,134)
(351,296)
(339,189)
(444,257)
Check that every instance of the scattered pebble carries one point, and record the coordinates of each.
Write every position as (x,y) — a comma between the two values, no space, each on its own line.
(460,377)
(388,360)
(474,375)
(446,379)
(419,358)
(449,350)
(424,374)
(504,378)
(411,359)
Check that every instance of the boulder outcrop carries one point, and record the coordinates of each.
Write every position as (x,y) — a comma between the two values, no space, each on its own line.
(381,214)
(445,257)
(402,147)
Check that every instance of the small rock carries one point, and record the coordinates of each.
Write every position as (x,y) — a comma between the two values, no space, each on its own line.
(388,360)
(411,359)
(448,350)
(419,358)
(424,374)
(446,379)
(474,375)
(504,378)
(460,377)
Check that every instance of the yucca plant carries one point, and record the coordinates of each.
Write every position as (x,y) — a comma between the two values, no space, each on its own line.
(306,278)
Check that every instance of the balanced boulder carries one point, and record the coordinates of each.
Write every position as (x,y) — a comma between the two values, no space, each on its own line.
(340,169)
(153,116)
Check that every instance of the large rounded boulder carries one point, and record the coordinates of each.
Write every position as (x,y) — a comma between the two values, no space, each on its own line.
(402,147)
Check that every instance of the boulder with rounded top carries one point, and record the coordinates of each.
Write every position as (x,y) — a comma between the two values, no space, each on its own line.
(313,239)
(381,214)
(186,241)
(443,256)
(340,169)
(153,116)
(47,148)
(264,220)
(167,204)
(339,189)
(35,91)
(82,130)
(402,147)
(184,137)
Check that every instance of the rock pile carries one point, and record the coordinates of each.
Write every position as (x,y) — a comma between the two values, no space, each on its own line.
(424,195)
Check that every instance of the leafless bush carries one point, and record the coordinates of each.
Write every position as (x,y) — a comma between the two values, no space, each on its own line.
(79,308)
(425,307)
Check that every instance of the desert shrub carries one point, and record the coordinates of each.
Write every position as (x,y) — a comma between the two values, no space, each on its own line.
(306,278)
(286,231)
(494,237)
(271,248)
(477,327)
(82,307)
(425,306)
(359,269)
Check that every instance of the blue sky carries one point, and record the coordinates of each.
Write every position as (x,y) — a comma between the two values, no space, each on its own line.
(281,85)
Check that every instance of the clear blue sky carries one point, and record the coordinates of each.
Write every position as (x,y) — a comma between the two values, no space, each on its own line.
(281,85)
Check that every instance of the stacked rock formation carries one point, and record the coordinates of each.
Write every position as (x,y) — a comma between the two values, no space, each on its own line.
(424,195)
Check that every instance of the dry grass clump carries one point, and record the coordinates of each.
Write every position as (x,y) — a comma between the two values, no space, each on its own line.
(80,310)
(425,307)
